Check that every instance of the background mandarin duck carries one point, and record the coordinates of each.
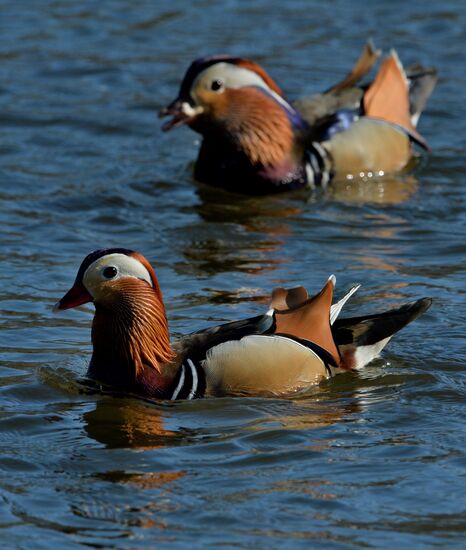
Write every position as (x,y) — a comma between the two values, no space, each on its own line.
(255,141)
(298,342)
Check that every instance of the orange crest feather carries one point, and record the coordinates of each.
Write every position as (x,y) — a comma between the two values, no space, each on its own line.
(388,96)
(309,320)
(251,66)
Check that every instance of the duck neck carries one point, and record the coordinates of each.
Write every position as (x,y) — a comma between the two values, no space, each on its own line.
(254,138)
(131,345)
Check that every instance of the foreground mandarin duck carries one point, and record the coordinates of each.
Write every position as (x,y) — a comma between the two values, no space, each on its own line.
(255,141)
(297,343)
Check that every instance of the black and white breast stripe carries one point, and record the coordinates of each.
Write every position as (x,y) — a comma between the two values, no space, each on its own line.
(318,166)
(190,382)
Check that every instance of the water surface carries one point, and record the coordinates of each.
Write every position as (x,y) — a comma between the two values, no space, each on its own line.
(371,459)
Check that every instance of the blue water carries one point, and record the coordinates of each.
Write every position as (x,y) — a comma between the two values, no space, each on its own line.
(373,459)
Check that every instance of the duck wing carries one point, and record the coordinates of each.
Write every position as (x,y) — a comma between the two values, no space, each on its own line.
(361,339)
(344,95)
(285,351)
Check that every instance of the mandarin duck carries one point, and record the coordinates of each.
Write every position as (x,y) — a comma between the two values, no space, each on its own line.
(295,344)
(255,141)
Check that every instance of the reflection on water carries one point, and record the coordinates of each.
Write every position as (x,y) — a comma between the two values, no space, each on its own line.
(313,414)
(127,423)
(262,225)
(253,213)
(384,191)
(214,256)
(122,422)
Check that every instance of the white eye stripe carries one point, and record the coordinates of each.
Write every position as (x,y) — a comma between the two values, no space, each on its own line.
(233,76)
(126,266)
(230,76)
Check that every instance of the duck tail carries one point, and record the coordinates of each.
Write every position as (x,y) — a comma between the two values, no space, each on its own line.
(422,81)
(363,65)
(361,339)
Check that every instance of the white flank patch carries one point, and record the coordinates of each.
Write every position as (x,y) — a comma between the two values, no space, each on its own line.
(365,354)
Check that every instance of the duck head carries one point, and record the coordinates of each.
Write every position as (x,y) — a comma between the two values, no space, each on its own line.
(247,124)
(131,346)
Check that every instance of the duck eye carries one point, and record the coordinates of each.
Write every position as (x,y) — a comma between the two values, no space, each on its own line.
(216,85)
(110,272)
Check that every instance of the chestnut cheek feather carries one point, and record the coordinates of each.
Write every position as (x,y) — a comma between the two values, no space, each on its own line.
(76,296)
(131,334)
(259,124)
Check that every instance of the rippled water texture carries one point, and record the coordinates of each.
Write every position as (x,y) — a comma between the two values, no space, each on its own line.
(374,459)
